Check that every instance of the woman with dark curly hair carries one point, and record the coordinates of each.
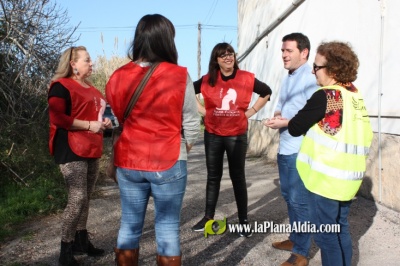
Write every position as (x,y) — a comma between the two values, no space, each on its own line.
(332,158)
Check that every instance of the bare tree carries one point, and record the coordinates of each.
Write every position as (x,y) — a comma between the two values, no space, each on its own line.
(32,35)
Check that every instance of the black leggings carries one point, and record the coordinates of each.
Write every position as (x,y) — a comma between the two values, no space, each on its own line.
(235,147)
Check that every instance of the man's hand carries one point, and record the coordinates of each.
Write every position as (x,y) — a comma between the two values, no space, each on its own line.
(276,122)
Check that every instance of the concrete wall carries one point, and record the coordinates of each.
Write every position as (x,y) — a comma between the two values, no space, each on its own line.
(371,27)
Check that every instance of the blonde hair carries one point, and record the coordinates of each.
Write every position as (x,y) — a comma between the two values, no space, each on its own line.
(64,69)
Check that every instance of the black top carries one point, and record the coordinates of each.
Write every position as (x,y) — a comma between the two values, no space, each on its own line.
(62,151)
(259,87)
(312,112)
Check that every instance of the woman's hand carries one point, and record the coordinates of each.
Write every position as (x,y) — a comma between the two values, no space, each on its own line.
(107,122)
(250,112)
(96,126)
(188,147)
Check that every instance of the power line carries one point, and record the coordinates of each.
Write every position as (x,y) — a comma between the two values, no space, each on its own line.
(130,28)
(218,27)
(211,11)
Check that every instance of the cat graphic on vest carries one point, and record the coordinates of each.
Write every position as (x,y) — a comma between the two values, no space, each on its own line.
(230,96)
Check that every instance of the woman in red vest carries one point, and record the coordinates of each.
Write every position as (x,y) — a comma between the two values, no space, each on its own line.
(76,142)
(151,152)
(227,92)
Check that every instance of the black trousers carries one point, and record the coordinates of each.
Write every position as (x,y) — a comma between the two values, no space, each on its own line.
(235,148)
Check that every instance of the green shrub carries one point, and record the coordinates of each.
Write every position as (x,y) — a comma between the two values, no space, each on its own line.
(31,183)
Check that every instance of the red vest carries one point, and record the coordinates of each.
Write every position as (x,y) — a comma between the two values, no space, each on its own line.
(226,104)
(85,105)
(151,135)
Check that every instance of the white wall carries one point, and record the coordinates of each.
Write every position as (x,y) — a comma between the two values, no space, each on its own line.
(355,21)
(358,22)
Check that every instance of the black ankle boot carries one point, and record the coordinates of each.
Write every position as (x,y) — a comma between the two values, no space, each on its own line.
(66,256)
(83,245)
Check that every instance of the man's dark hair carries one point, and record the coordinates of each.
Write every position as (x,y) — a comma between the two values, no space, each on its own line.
(302,41)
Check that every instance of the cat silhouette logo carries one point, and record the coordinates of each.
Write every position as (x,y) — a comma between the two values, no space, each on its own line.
(230,96)
(215,227)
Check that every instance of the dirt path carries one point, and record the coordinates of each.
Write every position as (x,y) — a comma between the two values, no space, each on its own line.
(375,229)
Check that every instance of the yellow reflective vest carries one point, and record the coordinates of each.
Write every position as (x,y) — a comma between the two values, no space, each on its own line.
(333,165)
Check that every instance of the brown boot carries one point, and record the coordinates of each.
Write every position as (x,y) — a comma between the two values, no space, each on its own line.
(284,245)
(296,260)
(126,257)
(168,261)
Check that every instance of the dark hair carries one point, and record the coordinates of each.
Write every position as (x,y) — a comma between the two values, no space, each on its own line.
(213,67)
(154,40)
(302,41)
(341,61)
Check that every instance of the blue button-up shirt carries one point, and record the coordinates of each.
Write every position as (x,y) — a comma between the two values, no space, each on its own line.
(296,89)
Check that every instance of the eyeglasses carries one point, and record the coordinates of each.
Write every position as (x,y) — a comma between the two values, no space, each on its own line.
(316,68)
(224,56)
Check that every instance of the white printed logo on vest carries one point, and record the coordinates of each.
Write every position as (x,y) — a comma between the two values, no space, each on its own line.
(228,104)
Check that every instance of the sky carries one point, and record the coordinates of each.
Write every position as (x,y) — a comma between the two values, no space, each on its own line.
(107,27)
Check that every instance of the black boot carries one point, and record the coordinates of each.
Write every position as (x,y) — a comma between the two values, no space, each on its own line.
(83,245)
(66,256)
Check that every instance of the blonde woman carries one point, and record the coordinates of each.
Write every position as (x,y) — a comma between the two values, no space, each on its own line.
(76,142)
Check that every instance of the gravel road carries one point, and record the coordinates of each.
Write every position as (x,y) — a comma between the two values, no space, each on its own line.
(375,229)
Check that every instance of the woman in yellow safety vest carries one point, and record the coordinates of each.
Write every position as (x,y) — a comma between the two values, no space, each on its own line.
(332,158)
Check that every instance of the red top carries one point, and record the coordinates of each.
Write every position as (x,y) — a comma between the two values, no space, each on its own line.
(226,104)
(151,135)
(85,105)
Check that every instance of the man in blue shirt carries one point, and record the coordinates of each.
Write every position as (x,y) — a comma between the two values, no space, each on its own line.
(297,88)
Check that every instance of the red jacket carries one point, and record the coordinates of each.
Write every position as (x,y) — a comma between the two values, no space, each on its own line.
(226,104)
(151,135)
(85,105)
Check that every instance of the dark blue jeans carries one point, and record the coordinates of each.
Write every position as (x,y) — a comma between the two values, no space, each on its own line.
(296,197)
(235,148)
(336,248)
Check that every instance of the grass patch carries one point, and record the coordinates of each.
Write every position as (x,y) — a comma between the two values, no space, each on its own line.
(46,191)
(18,203)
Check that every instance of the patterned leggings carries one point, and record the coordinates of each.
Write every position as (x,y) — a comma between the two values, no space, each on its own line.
(80,178)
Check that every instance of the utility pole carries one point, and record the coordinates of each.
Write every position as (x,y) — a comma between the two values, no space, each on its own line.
(199,51)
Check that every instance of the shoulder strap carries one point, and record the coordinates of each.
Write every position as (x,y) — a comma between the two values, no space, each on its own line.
(139,90)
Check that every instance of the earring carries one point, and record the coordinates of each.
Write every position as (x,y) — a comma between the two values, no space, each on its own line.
(76,71)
